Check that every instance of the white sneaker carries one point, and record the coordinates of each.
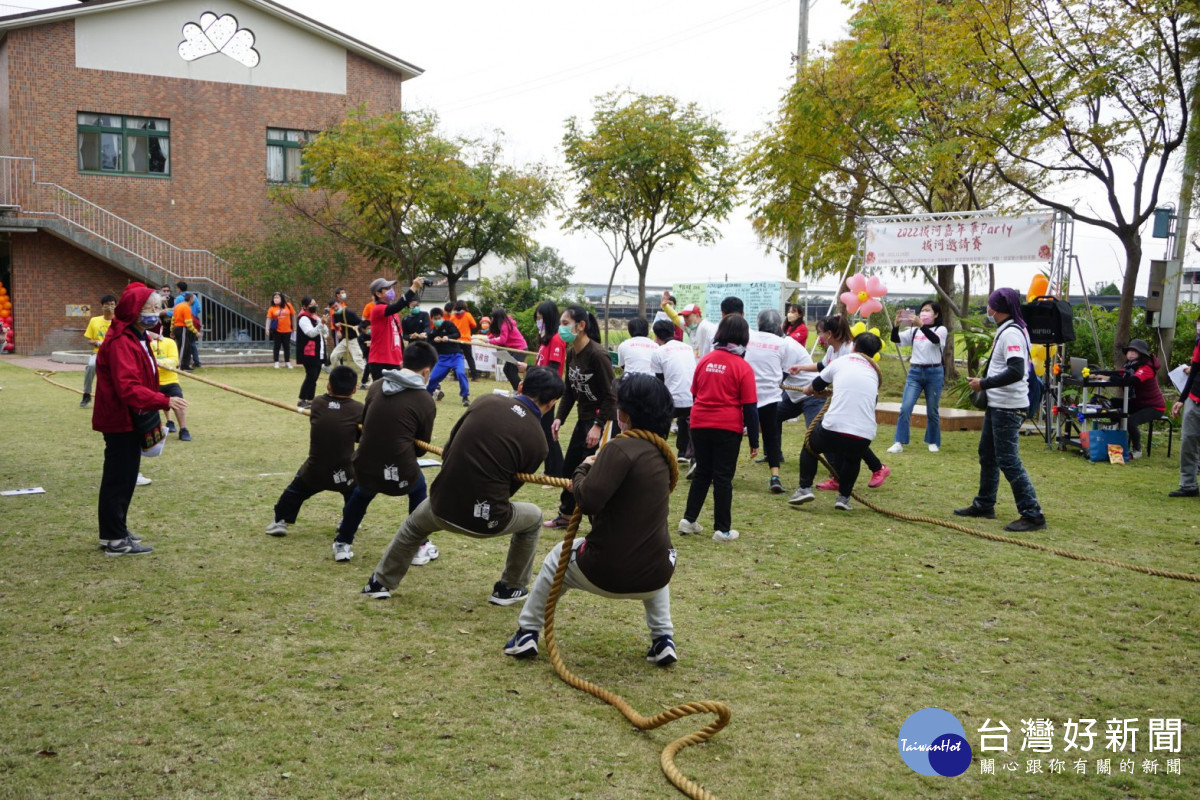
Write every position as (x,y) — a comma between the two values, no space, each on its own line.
(933,448)
(277,528)
(276,365)
(289,365)
(896,448)
(1135,454)
(842,503)
(425,553)
(686,527)
(142,480)
(725,536)
(342,552)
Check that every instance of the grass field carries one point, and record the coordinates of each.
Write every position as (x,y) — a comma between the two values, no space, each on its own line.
(233,664)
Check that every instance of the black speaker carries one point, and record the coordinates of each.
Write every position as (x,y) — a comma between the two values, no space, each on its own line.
(1050,320)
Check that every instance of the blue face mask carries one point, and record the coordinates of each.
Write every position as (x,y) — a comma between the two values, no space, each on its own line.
(991,319)
(148,320)
(566,333)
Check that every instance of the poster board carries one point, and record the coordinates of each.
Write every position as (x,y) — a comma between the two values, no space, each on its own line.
(755,295)
(979,240)
(485,358)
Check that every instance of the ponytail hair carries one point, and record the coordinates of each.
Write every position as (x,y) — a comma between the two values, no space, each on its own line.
(579,314)
(836,326)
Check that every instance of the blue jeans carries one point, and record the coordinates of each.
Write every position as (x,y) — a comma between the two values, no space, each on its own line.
(356,507)
(999,451)
(445,364)
(928,380)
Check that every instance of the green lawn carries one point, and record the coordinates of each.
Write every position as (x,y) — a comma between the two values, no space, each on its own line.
(232,664)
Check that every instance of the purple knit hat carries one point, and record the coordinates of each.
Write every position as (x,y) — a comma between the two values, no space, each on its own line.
(1007,301)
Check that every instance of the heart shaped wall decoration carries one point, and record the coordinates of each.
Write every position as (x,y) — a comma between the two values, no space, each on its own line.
(218,34)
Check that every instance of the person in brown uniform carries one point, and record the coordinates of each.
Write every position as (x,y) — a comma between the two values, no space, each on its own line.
(626,490)
(332,432)
(493,440)
(398,411)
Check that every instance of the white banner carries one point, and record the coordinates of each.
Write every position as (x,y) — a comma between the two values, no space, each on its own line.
(485,358)
(978,240)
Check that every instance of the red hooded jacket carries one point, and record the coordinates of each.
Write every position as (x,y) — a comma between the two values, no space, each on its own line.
(126,373)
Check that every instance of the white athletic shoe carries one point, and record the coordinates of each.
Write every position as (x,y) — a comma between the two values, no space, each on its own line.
(142,480)
(933,448)
(276,365)
(425,553)
(725,536)
(277,528)
(896,448)
(342,552)
(801,496)
(686,527)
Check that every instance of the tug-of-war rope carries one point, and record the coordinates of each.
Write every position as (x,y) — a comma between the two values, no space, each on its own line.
(667,759)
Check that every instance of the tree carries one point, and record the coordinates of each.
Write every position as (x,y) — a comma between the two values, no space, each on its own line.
(1101,288)
(1094,91)
(485,208)
(293,257)
(875,127)
(376,182)
(545,267)
(649,169)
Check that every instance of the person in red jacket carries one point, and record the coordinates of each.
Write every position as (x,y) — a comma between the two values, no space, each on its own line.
(126,382)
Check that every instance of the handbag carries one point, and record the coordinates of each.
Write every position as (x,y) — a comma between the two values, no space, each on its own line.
(148,426)
(979,399)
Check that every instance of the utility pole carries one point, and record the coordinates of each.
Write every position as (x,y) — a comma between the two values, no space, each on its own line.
(799,58)
(1191,164)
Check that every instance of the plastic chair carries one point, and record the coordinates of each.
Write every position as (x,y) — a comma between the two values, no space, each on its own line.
(1150,433)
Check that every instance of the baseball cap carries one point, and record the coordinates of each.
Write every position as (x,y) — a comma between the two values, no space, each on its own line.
(379,284)
(690,309)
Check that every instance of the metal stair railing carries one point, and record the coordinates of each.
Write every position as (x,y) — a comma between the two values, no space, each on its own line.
(20,190)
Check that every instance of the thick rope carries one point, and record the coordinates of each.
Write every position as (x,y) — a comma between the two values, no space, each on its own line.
(667,759)
(992,537)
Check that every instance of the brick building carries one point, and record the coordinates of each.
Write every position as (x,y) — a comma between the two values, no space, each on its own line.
(137,135)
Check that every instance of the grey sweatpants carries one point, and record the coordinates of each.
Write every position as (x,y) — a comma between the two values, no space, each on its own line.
(524,528)
(1189,445)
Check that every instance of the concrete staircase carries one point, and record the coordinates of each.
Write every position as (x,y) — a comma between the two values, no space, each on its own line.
(28,203)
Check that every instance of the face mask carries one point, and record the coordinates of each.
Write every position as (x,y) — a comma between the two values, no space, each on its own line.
(926,317)
(991,319)
(415,309)
(792,317)
(541,326)
(148,320)
(390,295)
(566,333)
(342,296)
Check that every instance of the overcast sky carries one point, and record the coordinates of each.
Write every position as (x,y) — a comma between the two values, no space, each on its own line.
(524,67)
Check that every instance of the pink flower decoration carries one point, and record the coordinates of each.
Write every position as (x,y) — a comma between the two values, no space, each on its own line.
(864,294)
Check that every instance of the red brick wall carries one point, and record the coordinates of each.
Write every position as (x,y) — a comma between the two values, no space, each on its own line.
(218,185)
(48,275)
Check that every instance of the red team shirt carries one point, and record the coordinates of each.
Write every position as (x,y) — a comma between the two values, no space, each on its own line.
(556,351)
(722,384)
(387,346)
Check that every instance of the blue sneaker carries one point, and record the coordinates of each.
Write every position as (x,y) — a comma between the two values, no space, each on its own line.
(523,644)
(662,652)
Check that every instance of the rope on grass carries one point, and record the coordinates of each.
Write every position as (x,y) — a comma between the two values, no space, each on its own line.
(721,710)
(991,537)
(667,759)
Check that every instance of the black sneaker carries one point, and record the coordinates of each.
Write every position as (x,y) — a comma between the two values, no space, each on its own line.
(662,652)
(87,398)
(170,426)
(126,547)
(466,402)
(376,590)
(505,596)
(775,485)
(184,436)
(104,542)
(975,511)
(523,644)
(1026,524)
(1184,493)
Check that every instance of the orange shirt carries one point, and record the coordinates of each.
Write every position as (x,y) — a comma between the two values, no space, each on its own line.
(282,315)
(464,322)
(181,317)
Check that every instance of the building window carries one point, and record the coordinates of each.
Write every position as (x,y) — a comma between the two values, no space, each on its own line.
(110,143)
(284,162)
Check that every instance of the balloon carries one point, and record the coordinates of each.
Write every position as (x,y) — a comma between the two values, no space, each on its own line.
(1037,287)
(864,294)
